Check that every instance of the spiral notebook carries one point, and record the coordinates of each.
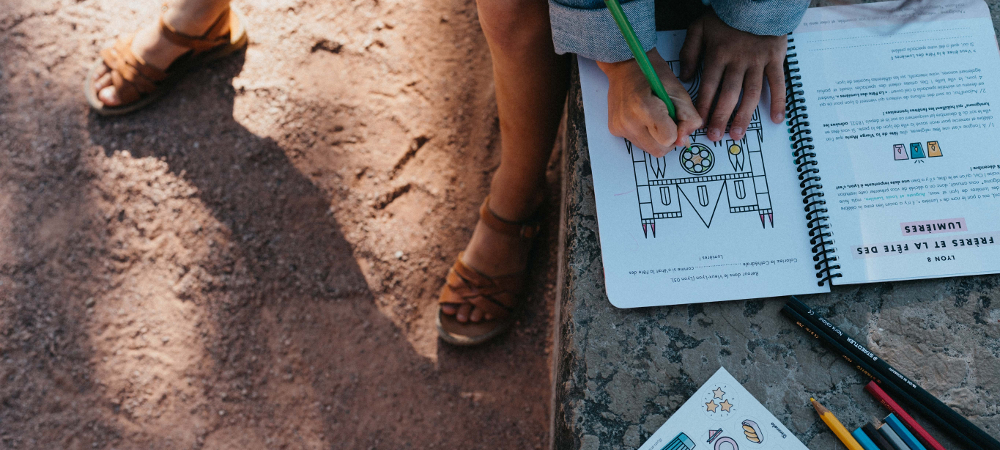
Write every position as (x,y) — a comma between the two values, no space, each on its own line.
(887,167)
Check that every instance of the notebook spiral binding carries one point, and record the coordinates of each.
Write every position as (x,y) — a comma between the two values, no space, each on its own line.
(824,253)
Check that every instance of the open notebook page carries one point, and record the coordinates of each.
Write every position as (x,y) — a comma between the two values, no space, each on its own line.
(722,221)
(900,107)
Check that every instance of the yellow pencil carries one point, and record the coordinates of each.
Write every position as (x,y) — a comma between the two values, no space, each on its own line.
(837,427)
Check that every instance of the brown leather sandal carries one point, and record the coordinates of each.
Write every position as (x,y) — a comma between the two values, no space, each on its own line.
(497,296)
(138,84)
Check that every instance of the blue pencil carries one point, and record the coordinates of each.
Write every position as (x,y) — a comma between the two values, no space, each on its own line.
(903,432)
(863,439)
(892,437)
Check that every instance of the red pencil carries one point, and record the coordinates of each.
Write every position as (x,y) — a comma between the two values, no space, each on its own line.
(894,407)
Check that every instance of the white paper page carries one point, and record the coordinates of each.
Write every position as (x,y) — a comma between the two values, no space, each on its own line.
(900,108)
(722,415)
(732,227)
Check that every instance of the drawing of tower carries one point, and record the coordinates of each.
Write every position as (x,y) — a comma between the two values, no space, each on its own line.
(700,177)
(696,180)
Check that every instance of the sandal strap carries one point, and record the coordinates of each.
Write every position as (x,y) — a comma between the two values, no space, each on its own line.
(207,41)
(496,296)
(526,229)
(130,75)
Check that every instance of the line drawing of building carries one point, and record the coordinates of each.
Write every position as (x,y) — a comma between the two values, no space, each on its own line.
(696,178)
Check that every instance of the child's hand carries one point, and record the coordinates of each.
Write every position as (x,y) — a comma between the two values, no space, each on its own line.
(636,114)
(734,60)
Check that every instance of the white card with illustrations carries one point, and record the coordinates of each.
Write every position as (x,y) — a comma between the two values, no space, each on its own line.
(707,223)
(722,415)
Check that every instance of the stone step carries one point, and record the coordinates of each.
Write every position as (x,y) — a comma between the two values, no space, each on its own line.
(619,374)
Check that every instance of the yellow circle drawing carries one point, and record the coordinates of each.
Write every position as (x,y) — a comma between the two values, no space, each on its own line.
(734,149)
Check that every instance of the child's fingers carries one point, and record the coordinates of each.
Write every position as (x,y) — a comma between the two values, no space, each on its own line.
(654,114)
(711,77)
(729,95)
(634,124)
(688,119)
(639,134)
(650,123)
(776,81)
(691,51)
(753,83)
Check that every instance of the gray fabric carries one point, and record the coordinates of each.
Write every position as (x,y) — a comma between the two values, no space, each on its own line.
(586,28)
(761,17)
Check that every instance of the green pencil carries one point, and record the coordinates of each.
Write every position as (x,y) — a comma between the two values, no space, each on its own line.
(640,56)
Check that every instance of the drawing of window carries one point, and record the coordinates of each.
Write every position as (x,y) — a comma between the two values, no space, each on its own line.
(659,167)
(741,191)
(665,195)
(703,195)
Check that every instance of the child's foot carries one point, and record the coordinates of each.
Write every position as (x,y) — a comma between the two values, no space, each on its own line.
(485,286)
(492,254)
(154,49)
(499,248)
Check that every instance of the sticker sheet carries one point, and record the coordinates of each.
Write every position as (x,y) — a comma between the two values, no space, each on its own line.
(722,415)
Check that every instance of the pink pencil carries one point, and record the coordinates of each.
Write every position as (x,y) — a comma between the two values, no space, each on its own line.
(894,407)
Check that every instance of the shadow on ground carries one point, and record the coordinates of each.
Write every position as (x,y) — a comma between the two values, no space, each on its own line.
(174,279)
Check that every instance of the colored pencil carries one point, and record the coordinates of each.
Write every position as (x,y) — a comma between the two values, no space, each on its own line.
(893,407)
(876,437)
(867,370)
(835,426)
(864,440)
(904,434)
(889,375)
(632,40)
(892,437)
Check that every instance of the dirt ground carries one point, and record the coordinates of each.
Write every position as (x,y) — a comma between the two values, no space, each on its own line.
(253,262)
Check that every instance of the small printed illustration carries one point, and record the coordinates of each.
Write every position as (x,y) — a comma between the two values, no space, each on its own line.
(726,443)
(679,442)
(698,182)
(899,152)
(719,403)
(752,431)
(933,149)
(712,434)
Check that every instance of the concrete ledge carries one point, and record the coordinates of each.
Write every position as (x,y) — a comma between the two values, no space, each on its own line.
(620,373)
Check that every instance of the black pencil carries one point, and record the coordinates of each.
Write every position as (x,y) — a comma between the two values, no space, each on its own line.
(813,329)
(876,437)
(891,436)
(893,376)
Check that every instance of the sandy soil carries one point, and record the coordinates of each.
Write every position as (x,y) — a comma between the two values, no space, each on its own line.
(253,262)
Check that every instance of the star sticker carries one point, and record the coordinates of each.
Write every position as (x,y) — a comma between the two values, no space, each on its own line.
(711,405)
(718,393)
(726,406)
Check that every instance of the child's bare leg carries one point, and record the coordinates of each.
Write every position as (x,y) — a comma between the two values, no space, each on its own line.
(190,17)
(531,82)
